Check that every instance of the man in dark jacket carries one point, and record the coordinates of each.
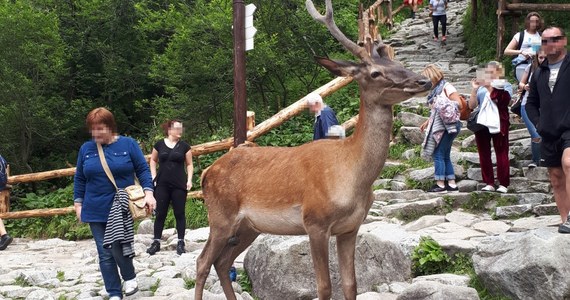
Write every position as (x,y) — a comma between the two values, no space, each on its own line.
(324,116)
(548,107)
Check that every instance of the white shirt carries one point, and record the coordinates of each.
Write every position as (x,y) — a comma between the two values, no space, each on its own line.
(554,68)
(529,40)
(438,7)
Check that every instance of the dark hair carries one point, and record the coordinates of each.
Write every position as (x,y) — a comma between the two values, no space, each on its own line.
(562,33)
(101,115)
(527,20)
(168,124)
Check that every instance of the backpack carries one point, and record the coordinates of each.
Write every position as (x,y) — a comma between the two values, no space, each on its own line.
(465,111)
(3,173)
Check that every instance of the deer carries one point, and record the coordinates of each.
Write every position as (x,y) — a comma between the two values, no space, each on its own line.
(320,189)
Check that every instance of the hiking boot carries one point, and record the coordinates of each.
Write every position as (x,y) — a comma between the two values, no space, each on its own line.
(488,188)
(5,240)
(451,189)
(564,227)
(131,287)
(154,247)
(180,248)
(437,189)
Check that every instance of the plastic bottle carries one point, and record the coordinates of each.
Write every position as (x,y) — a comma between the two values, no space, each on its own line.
(233,273)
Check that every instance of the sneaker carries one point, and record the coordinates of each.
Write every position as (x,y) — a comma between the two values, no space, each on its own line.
(532,165)
(435,38)
(413,15)
(154,247)
(180,248)
(451,189)
(444,38)
(502,189)
(564,227)
(5,240)
(115,298)
(437,189)
(488,188)
(131,287)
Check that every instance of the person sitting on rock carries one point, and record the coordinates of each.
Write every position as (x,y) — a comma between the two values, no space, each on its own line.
(439,135)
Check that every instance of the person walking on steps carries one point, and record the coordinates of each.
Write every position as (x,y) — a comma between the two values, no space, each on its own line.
(413,4)
(173,181)
(438,14)
(548,107)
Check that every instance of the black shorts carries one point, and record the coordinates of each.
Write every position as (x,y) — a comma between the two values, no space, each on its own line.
(551,152)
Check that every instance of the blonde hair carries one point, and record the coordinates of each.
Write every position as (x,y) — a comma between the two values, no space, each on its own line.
(433,73)
(497,66)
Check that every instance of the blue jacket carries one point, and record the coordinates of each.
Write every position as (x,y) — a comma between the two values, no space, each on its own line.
(93,188)
(323,123)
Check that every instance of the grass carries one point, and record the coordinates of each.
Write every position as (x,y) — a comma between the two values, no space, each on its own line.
(60,276)
(155,286)
(189,283)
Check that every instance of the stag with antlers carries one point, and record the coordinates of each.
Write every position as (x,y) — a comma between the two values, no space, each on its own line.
(322,189)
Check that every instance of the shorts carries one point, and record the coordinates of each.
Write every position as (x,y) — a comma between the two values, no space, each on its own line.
(551,152)
(407,2)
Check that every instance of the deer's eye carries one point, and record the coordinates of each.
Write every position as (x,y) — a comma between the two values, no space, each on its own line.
(375,74)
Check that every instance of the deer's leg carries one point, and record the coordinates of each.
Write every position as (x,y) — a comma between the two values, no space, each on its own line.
(345,246)
(245,236)
(319,241)
(222,234)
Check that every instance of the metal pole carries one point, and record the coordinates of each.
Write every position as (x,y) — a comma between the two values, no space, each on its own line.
(239,73)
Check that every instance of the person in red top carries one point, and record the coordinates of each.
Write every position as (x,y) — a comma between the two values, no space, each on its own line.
(414,6)
(489,84)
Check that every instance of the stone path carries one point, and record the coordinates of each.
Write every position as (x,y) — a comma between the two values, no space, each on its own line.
(56,269)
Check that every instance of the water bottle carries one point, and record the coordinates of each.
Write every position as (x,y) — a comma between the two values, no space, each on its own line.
(233,273)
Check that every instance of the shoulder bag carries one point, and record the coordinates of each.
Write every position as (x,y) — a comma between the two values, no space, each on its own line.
(137,205)
(472,121)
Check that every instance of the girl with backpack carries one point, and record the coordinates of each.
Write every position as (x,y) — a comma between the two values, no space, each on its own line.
(525,44)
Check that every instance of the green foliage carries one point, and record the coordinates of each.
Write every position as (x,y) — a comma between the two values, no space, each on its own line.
(245,282)
(196,215)
(65,226)
(189,283)
(60,276)
(390,172)
(418,163)
(21,281)
(155,286)
(429,258)
(396,150)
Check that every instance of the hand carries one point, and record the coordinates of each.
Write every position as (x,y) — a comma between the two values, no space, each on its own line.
(527,54)
(150,201)
(77,207)
(527,87)
(475,83)
(189,185)
(424,125)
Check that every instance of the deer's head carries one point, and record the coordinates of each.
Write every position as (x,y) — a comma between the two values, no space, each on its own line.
(380,78)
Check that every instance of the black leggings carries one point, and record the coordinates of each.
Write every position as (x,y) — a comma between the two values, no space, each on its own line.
(436,20)
(165,195)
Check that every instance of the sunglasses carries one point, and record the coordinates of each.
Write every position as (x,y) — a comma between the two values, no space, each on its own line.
(552,39)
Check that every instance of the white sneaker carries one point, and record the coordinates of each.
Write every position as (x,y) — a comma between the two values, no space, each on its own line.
(131,287)
(502,189)
(115,298)
(488,188)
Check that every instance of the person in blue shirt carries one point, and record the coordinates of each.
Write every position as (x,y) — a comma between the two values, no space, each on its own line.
(93,193)
(325,117)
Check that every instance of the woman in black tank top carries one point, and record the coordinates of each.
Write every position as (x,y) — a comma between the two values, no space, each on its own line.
(172,182)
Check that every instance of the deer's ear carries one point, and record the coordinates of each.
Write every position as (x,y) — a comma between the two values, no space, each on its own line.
(385,51)
(338,67)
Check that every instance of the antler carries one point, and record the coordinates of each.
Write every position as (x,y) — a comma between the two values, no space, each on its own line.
(328,20)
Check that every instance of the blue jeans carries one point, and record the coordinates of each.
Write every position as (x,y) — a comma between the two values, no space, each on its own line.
(535,147)
(109,259)
(442,156)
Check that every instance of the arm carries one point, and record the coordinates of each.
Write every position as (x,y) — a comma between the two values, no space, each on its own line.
(143,174)
(153,161)
(511,48)
(189,169)
(523,84)
(473,103)
(532,106)
(79,182)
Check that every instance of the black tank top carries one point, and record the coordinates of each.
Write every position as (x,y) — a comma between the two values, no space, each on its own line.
(171,164)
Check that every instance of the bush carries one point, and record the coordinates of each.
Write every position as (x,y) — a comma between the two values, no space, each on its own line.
(429,258)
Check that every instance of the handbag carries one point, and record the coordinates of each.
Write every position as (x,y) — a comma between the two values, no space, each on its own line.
(516,107)
(464,111)
(137,205)
(472,121)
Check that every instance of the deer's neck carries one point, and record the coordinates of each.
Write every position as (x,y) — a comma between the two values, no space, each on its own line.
(371,141)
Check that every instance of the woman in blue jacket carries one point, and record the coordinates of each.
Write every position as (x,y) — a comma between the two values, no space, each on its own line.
(94,194)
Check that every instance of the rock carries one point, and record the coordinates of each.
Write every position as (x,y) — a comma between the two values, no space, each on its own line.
(146,226)
(525,224)
(491,227)
(426,290)
(412,135)
(512,211)
(462,218)
(524,265)
(41,295)
(423,222)
(545,209)
(411,119)
(398,186)
(384,195)
(413,209)
(449,231)
(281,267)
(447,279)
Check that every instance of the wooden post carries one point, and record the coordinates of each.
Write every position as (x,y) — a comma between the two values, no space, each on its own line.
(239,73)
(537,6)
(474,12)
(500,29)
(250,120)
(360,41)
